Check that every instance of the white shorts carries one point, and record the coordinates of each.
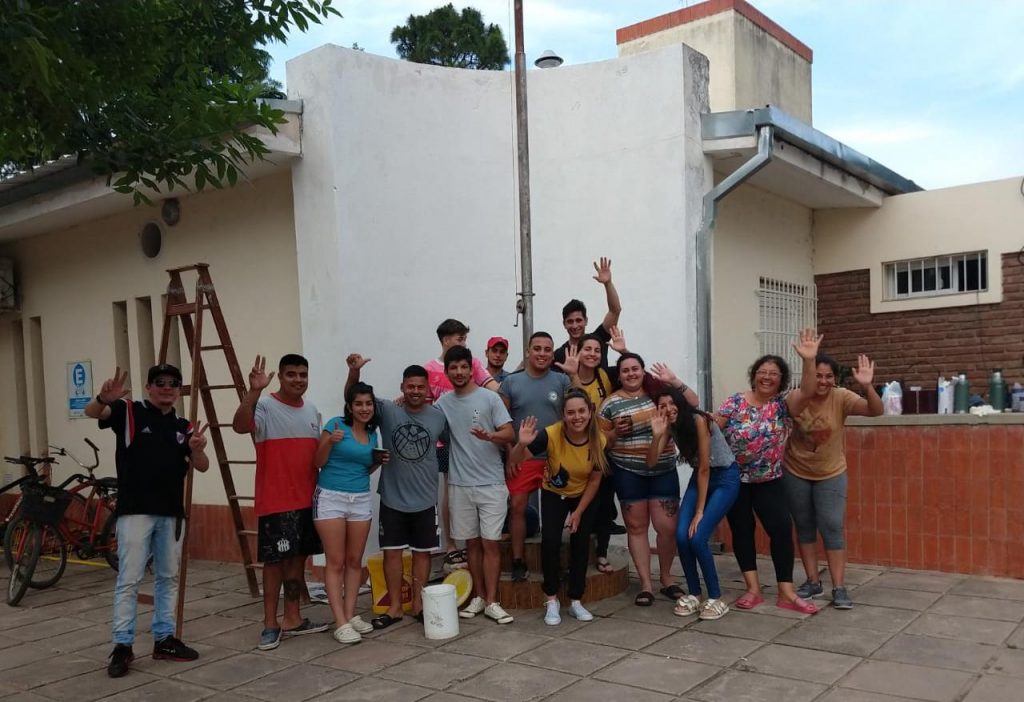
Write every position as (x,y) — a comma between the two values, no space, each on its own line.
(478,511)
(331,504)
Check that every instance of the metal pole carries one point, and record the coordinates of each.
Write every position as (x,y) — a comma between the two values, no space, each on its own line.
(525,302)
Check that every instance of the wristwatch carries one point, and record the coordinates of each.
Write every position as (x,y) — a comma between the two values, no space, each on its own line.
(99,398)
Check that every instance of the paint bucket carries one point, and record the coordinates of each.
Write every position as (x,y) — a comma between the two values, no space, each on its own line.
(379,595)
(440,613)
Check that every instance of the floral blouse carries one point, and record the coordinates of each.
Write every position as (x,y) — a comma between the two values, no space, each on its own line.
(757,436)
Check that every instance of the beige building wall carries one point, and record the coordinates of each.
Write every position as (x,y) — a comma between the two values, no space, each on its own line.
(749,67)
(88,293)
(962,219)
(757,234)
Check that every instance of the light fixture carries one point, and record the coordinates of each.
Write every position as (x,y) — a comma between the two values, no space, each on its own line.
(549,59)
(170,211)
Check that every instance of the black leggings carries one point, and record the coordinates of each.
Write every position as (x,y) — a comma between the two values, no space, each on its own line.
(604,515)
(554,509)
(768,501)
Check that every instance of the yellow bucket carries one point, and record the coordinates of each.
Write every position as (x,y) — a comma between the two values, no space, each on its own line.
(378,586)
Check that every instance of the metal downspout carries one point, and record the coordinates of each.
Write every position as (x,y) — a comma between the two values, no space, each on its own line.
(765,143)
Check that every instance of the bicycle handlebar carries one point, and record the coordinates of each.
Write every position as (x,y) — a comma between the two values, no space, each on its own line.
(95,455)
(29,461)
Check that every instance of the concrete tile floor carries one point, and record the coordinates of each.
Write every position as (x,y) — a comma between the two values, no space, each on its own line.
(911,636)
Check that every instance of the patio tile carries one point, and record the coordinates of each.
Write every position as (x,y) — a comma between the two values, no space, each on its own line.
(979,607)
(161,690)
(576,657)
(918,580)
(207,654)
(79,640)
(532,622)
(894,597)
(42,671)
(589,690)
(51,627)
(1008,662)
(411,633)
(824,635)
(92,686)
(210,625)
(374,690)
(697,646)
(501,643)
(747,625)
(905,680)
(868,617)
(303,648)
(511,682)
(998,588)
(621,633)
(841,694)
(299,682)
(800,663)
(657,674)
(936,652)
(436,669)
(370,656)
(994,689)
(736,685)
(230,672)
(962,628)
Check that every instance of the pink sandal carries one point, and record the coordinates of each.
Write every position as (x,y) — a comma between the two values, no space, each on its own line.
(797,605)
(748,600)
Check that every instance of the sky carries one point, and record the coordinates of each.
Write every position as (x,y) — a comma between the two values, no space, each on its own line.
(933,89)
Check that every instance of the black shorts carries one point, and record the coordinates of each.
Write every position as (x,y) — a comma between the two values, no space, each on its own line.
(443,457)
(286,535)
(412,530)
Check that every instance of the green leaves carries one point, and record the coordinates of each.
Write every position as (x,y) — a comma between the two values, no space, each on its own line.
(153,94)
(443,37)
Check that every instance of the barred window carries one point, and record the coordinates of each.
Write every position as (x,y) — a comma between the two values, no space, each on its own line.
(785,309)
(936,275)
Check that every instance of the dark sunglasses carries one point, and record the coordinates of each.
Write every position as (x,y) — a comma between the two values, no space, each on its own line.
(171,383)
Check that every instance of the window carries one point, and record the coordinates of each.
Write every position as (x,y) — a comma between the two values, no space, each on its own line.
(785,309)
(938,275)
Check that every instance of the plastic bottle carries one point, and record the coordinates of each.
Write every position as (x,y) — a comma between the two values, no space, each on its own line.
(961,393)
(997,390)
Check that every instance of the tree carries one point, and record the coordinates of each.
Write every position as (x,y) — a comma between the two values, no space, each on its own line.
(150,91)
(443,37)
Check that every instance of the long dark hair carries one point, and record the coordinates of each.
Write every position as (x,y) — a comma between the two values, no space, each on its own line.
(350,396)
(684,430)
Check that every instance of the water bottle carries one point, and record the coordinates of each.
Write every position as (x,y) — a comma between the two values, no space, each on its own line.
(997,390)
(961,393)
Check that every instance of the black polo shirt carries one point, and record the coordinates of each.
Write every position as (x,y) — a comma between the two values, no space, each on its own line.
(151,458)
(605,336)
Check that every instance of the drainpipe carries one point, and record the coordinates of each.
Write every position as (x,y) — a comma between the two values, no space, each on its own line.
(765,142)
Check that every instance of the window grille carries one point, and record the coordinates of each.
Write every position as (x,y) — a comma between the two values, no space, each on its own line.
(936,275)
(785,309)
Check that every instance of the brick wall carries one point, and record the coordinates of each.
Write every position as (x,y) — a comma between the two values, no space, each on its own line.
(920,345)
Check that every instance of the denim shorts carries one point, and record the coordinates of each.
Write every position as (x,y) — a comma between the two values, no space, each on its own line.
(639,487)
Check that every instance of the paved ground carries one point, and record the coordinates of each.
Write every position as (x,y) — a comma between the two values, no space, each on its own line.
(912,635)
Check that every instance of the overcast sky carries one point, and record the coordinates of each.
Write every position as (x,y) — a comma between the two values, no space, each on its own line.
(933,89)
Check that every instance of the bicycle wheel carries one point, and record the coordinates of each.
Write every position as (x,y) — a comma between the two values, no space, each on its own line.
(8,553)
(26,555)
(53,559)
(108,540)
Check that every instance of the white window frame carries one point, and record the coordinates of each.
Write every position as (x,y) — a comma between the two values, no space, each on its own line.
(784,309)
(935,276)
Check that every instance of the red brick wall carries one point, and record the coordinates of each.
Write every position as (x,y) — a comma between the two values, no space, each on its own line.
(921,345)
(941,497)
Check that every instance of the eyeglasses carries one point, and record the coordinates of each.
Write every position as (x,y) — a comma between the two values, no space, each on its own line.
(768,374)
(171,383)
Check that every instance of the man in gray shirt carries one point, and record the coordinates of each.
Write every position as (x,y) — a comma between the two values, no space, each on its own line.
(535,391)
(477,497)
(408,485)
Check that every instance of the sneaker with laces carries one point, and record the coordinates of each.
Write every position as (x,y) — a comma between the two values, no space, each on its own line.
(577,610)
(519,571)
(347,635)
(359,625)
(173,649)
(809,590)
(120,660)
(495,612)
(552,617)
(686,606)
(841,598)
(475,607)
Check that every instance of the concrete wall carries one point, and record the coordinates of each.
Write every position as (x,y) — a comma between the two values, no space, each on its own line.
(758,234)
(976,217)
(406,204)
(70,279)
(749,67)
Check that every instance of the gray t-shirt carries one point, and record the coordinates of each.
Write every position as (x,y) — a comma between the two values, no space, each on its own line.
(474,462)
(408,482)
(721,454)
(535,397)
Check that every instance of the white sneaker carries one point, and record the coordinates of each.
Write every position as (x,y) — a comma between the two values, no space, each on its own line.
(475,606)
(495,612)
(359,625)
(686,605)
(346,634)
(577,610)
(551,615)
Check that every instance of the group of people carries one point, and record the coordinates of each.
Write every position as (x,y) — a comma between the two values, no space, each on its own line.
(568,424)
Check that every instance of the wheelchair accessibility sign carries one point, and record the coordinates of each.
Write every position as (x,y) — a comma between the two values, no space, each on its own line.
(79,388)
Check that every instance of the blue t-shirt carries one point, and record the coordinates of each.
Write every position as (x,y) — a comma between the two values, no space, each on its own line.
(348,465)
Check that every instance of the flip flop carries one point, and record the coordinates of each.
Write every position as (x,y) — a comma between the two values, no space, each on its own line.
(604,566)
(384,621)
(644,599)
(673,592)
(748,601)
(306,627)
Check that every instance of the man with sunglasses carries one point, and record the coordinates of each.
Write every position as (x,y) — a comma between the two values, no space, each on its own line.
(155,449)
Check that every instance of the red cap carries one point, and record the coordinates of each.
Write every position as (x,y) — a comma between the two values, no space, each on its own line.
(496,340)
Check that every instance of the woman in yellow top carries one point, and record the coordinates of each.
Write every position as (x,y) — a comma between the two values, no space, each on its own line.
(815,472)
(572,476)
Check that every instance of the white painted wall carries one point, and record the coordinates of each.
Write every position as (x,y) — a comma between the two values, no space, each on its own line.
(405,203)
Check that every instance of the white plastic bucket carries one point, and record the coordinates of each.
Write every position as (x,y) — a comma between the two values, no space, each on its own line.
(440,613)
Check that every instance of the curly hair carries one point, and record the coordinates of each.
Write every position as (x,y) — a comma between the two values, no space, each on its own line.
(778,361)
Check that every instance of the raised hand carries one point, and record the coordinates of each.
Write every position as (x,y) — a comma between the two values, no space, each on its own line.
(618,340)
(623,425)
(480,433)
(355,361)
(258,378)
(665,374)
(336,435)
(197,442)
(604,270)
(113,389)
(808,344)
(659,422)
(528,430)
(571,365)
(864,373)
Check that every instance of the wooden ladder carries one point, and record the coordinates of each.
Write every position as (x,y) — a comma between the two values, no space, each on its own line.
(177,306)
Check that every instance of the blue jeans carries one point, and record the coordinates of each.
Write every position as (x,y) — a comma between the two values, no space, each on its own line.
(723,487)
(138,537)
